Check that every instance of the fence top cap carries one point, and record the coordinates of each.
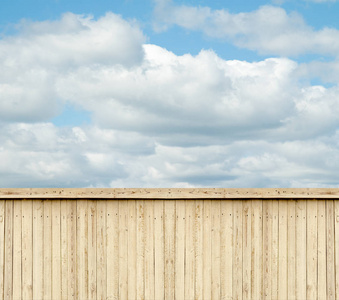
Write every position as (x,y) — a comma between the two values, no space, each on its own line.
(169,193)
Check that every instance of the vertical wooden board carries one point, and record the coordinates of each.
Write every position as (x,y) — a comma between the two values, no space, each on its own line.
(257,249)
(27,249)
(291,249)
(336,246)
(226,249)
(38,249)
(207,251)
(123,249)
(8,272)
(180,211)
(2,246)
(190,254)
(71,241)
(321,251)
(311,239)
(169,229)
(56,250)
(92,248)
(330,249)
(64,249)
(140,254)
(247,248)
(159,265)
(217,239)
(282,276)
(149,249)
(267,249)
(101,250)
(275,249)
(237,249)
(198,248)
(17,272)
(47,249)
(112,249)
(132,250)
(82,249)
(301,249)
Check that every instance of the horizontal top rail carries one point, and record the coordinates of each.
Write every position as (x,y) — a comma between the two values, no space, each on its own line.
(169,193)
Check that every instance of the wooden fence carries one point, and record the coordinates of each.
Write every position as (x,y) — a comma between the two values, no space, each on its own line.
(169,244)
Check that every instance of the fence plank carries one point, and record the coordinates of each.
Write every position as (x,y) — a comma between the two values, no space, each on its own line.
(17,233)
(159,250)
(56,254)
(257,249)
(112,250)
(247,249)
(237,250)
(291,250)
(71,241)
(140,249)
(180,211)
(82,249)
(207,280)
(47,249)
(38,249)
(64,249)
(226,249)
(282,279)
(2,246)
(169,229)
(190,253)
(216,241)
(123,249)
(267,249)
(330,256)
(27,249)
(275,249)
(101,250)
(149,249)
(312,260)
(301,249)
(198,248)
(8,257)
(92,249)
(321,249)
(336,246)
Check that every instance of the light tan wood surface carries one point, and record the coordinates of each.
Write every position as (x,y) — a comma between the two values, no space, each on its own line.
(169,249)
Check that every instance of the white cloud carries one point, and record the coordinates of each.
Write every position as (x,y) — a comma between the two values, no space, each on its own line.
(32,60)
(158,119)
(268,30)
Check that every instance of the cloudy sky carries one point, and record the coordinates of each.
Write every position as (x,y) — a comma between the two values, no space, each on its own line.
(161,93)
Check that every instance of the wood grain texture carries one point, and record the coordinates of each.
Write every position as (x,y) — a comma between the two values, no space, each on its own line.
(301,249)
(112,250)
(17,238)
(247,249)
(8,255)
(172,193)
(291,243)
(2,246)
(159,263)
(169,249)
(38,249)
(27,249)
(180,236)
(312,251)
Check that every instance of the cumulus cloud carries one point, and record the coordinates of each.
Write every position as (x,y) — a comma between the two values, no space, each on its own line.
(159,119)
(268,30)
(32,60)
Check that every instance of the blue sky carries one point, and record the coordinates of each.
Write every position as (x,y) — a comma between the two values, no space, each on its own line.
(169,93)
